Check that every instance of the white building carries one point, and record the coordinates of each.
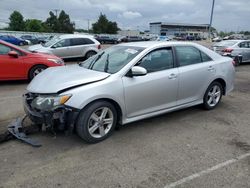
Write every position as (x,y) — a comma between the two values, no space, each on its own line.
(179,29)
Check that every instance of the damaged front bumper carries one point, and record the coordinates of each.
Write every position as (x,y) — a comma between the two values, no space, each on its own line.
(61,118)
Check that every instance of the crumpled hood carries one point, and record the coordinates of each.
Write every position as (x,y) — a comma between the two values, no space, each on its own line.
(55,79)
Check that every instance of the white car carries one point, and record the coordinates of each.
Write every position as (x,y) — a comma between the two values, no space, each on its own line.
(69,46)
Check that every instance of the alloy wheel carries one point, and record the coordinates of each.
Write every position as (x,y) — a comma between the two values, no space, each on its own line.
(37,71)
(100,122)
(214,95)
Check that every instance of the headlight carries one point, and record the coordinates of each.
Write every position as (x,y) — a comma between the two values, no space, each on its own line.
(58,61)
(47,103)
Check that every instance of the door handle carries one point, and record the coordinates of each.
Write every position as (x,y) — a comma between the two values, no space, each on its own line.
(172,76)
(210,68)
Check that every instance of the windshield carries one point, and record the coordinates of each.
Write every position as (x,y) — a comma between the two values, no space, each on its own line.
(112,59)
(52,41)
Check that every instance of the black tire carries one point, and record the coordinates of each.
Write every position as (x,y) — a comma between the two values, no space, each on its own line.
(21,44)
(34,71)
(84,120)
(89,54)
(216,98)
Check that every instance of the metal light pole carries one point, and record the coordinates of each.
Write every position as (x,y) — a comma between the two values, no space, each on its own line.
(56,10)
(211,20)
(88,25)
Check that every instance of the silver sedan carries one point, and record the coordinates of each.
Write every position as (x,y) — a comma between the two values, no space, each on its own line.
(234,48)
(126,83)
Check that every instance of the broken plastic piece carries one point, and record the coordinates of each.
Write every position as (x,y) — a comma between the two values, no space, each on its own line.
(16,129)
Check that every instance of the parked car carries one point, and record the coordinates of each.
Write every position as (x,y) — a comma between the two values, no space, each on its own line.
(126,83)
(107,39)
(132,39)
(69,46)
(31,38)
(234,49)
(13,40)
(190,38)
(216,39)
(162,38)
(43,39)
(19,64)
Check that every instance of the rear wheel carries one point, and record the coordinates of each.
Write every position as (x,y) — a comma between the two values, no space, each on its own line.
(36,70)
(96,122)
(89,54)
(212,96)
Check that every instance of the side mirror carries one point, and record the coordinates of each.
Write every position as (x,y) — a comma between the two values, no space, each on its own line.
(13,54)
(138,71)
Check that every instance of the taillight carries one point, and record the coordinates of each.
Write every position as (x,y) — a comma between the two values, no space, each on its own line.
(99,46)
(234,63)
(228,50)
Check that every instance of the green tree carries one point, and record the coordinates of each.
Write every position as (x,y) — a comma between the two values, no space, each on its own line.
(52,24)
(103,25)
(62,24)
(34,25)
(65,25)
(16,22)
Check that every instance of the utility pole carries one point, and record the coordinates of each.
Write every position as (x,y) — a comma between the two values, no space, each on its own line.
(56,10)
(88,25)
(211,20)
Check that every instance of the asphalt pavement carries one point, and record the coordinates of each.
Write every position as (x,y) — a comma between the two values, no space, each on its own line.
(188,148)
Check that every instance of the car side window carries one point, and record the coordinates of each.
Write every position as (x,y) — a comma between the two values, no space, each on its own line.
(4,49)
(205,57)
(77,41)
(81,41)
(243,45)
(62,43)
(88,41)
(188,55)
(158,60)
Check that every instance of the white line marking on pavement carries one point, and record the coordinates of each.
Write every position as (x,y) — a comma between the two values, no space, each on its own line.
(207,171)
(11,97)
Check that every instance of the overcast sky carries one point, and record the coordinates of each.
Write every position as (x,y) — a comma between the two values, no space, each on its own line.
(137,14)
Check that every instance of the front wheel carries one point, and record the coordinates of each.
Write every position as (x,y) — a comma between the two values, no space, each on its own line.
(212,96)
(36,70)
(90,54)
(96,122)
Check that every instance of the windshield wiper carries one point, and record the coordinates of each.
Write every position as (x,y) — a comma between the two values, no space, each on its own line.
(106,64)
(93,63)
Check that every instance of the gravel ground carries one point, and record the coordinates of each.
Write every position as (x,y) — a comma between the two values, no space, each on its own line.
(189,148)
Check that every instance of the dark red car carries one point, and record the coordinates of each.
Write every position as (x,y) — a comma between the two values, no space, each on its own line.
(19,64)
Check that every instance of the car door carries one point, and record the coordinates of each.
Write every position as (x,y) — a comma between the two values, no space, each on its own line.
(155,91)
(10,67)
(196,70)
(77,47)
(247,51)
(243,50)
(62,48)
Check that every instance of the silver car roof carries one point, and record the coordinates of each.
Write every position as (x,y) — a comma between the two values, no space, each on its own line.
(75,36)
(158,44)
